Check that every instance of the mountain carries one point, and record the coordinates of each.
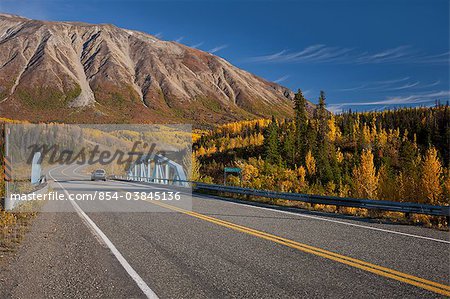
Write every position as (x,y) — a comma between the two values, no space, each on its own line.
(78,72)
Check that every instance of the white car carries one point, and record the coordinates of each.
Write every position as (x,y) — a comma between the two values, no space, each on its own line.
(98,174)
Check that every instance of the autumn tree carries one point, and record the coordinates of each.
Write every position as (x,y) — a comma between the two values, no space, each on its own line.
(193,163)
(365,178)
(334,133)
(310,163)
(201,151)
(302,184)
(431,177)
(386,184)
(410,169)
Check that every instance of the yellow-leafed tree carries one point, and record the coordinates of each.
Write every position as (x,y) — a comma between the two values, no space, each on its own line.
(334,132)
(365,177)
(310,162)
(431,177)
(302,184)
(195,168)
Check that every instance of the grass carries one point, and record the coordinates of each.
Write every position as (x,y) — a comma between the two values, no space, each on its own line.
(48,98)
(14,226)
(210,104)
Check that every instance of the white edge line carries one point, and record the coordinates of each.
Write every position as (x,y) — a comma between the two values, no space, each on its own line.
(344,223)
(133,274)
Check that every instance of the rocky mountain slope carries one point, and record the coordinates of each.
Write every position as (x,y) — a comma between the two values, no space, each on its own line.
(77,72)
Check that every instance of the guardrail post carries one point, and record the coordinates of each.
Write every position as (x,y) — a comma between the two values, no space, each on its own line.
(408,216)
(446,212)
(9,205)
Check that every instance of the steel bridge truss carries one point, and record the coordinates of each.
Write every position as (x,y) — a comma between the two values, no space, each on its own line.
(157,169)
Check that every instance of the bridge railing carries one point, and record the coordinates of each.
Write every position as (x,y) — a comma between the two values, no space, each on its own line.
(383,205)
(160,181)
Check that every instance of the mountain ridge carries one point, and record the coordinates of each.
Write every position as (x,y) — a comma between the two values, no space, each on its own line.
(81,72)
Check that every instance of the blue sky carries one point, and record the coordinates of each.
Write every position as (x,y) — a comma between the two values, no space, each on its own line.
(364,54)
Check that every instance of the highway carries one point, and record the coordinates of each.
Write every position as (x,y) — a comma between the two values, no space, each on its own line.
(219,249)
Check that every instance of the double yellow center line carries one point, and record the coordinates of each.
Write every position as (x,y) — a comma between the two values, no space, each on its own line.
(379,270)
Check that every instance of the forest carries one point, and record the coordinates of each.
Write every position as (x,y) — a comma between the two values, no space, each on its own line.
(398,155)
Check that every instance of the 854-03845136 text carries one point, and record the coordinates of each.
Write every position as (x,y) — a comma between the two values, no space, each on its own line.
(100,195)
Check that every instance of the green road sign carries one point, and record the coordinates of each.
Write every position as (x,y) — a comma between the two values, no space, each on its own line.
(232,169)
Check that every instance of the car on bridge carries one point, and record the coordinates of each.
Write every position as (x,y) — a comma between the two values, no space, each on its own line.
(99,174)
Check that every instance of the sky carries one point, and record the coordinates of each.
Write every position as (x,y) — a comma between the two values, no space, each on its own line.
(365,54)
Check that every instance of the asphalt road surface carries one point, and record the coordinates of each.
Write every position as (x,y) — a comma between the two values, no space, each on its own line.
(213,248)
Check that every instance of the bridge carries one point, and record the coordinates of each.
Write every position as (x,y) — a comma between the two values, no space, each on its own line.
(157,169)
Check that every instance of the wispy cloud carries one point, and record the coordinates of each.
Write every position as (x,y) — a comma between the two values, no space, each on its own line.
(389,55)
(314,53)
(357,88)
(406,86)
(281,79)
(390,85)
(435,83)
(391,81)
(197,45)
(159,35)
(374,85)
(217,49)
(323,53)
(413,99)
(178,40)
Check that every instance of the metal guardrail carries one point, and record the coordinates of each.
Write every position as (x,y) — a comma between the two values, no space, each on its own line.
(404,207)
(384,205)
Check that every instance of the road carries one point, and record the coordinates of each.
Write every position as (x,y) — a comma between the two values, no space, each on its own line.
(219,249)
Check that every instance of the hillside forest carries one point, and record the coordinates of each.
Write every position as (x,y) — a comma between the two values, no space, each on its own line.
(399,155)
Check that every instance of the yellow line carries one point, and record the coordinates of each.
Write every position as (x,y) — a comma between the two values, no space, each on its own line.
(379,270)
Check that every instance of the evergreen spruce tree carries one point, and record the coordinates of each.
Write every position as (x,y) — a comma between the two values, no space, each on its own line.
(289,149)
(322,153)
(321,116)
(301,126)
(271,143)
